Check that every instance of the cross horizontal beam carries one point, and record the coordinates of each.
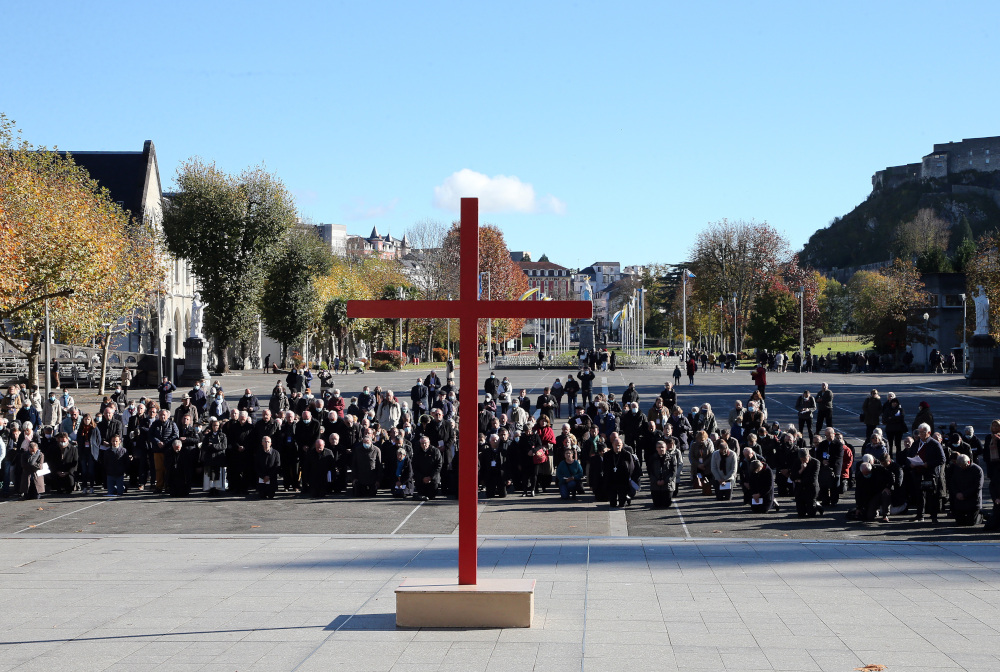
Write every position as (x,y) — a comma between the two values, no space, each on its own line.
(469,309)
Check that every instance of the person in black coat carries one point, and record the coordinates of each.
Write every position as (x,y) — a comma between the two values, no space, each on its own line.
(493,468)
(824,407)
(317,470)
(873,492)
(63,464)
(618,467)
(180,468)
(249,403)
(586,378)
(830,453)
(806,477)
(116,460)
(661,467)
(427,464)
(926,469)
(420,398)
(267,464)
(213,458)
(166,391)
(761,482)
(966,491)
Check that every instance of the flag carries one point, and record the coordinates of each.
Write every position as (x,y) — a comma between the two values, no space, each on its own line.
(480,294)
(527,294)
(614,318)
(689,273)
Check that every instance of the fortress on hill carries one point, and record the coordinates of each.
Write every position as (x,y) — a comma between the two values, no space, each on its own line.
(982,154)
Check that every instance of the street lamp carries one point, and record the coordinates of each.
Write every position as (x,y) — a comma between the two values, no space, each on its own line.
(927,340)
(802,323)
(736,343)
(722,328)
(965,342)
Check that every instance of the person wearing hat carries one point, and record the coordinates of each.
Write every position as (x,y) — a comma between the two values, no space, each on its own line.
(923,416)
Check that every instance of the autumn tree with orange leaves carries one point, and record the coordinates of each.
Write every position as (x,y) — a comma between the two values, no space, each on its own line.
(507,281)
(64,239)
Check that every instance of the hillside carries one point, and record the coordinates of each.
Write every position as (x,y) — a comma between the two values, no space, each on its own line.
(865,235)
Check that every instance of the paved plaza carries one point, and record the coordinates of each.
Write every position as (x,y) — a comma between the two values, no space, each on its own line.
(149,582)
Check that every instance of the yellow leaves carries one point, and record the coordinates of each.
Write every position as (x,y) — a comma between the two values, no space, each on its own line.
(58,230)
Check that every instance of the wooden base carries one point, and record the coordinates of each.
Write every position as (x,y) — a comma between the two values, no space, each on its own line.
(443,603)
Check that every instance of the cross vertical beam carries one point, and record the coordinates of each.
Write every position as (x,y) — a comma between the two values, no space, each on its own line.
(468,460)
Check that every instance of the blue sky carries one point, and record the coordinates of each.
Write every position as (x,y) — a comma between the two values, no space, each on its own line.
(610,131)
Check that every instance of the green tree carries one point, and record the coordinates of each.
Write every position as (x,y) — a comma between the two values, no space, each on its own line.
(774,324)
(289,304)
(835,307)
(335,319)
(230,229)
(883,300)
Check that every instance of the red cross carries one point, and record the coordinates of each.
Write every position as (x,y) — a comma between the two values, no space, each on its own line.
(469,309)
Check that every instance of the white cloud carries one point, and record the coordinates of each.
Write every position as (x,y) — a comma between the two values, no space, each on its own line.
(501,193)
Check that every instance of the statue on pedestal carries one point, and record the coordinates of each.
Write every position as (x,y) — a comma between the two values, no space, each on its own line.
(587,292)
(982,311)
(196,318)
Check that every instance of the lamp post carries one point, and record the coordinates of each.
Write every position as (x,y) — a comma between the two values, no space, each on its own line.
(736,343)
(927,340)
(722,328)
(965,341)
(402,350)
(802,322)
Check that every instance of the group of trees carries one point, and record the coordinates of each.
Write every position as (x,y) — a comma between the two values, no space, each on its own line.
(64,241)
(251,257)
(746,280)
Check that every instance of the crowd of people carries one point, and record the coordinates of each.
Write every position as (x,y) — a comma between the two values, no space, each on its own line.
(379,441)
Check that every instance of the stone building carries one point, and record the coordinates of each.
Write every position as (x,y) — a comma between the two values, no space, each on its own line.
(551,279)
(947,158)
(377,245)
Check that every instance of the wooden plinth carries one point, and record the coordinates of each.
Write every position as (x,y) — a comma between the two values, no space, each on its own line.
(443,603)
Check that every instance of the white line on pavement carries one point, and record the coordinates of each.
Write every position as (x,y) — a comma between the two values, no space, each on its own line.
(687,533)
(62,516)
(604,385)
(398,527)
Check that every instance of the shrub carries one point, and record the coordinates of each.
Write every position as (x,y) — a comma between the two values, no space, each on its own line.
(440,355)
(384,365)
(393,356)
(323,366)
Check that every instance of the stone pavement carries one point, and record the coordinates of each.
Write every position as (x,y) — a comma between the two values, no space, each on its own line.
(322,602)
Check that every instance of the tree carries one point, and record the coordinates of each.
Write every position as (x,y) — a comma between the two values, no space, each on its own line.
(289,304)
(543,258)
(922,234)
(737,257)
(430,270)
(137,278)
(65,240)
(774,323)
(984,270)
(506,280)
(363,278)
(835,306)
(230,229)
(882,301)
